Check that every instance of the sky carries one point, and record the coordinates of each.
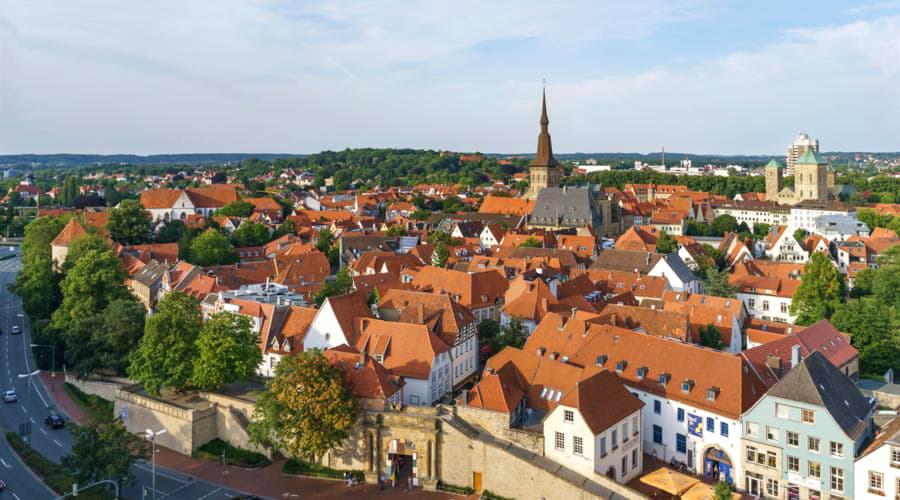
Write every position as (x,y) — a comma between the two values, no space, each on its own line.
(693,76)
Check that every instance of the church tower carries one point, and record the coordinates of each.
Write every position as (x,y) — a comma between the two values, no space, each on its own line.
(810,177)
(774,180)
(544,169)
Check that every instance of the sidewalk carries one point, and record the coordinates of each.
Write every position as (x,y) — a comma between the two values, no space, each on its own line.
(267,481)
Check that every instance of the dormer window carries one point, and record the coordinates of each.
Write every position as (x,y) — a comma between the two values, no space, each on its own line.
(687,385)
(664,378)
(620,366)
(641,372)
(712,393)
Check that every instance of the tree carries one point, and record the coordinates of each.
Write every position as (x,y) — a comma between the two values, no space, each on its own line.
(120,332)
(90,285)
(212,249)
(716,283)
(820,291)
(341,284)
(104,451)
(238,208)
(250,234)
(722,491)
(724,224)
(513,335)
(440,255)
(396,231)
(129,223)
(80,247)
(166,352)
(666,244)
(886,285)
(710,337)
(439,237)
(530,242)
(800,235)
(306,408)
(227,351)
(872,325)
(171,231)
(863,283)
(761,229)
(324,240)
(37,283)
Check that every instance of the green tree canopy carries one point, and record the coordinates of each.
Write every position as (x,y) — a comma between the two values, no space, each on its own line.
(666,244)
(80,247)
(90,285)
(104,451)
(324,240)
(165,355)
(724,224)
(710,337)
(250,234)
(171,231)
(238,208)
(119,334)
(530,242)
(800,235)
(341,284)
(820,292)
(212,248)
(716,283)
(440,255)
(37,283)
(306,408)
(874,330)
(129,223)
(227,351)
(513,334)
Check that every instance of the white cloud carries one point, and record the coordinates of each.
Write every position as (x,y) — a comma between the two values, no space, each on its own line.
(259,75)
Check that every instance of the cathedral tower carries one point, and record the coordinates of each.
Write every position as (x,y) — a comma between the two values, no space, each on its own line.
(544,169)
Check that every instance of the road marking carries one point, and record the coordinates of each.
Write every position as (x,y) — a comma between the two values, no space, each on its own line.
(158,473)
(57,442)
(42,430)
(24,409)
(5,464)
(32,420)
(210,493)
(15,496)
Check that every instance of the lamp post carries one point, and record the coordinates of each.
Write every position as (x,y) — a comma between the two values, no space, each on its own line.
(152,437)
(28,376)
(52,362)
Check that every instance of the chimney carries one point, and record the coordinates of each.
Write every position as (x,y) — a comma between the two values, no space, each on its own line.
(545,304)
(420,313)
(774,362)
(364,357)
(541,351)
(795,355)
(554,355)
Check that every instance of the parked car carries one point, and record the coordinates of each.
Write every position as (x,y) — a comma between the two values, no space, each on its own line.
(15,330)
(2,485)
(10,397)
(54,421)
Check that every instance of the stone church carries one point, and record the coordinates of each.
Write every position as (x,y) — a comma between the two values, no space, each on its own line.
(813,180)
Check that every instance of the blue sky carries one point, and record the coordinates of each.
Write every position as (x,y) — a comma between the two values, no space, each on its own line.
(700,76)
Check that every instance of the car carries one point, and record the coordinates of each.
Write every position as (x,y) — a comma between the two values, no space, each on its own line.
(54,421)
(2,485)
(15,330)
(10,397)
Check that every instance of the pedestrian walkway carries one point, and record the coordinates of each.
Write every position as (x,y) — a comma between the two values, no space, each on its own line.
(265,482)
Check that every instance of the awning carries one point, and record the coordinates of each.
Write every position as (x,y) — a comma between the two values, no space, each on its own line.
(703,491)
(669,481)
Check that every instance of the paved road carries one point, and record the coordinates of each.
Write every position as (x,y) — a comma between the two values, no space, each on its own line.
(15,359)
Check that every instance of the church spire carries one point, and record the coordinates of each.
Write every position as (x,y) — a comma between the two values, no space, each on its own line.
(544,156)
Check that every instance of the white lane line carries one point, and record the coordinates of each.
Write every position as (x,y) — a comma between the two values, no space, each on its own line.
(5,464)
(210,493)
(32,420)
(57,443)
(15,496)
(24,410)
(42,430)
(159,473)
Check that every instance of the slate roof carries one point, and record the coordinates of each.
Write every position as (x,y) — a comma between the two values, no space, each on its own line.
(563,206)
(817,382)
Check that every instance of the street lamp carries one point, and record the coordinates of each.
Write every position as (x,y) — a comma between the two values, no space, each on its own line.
(52,362)
(29,381)
(152,437)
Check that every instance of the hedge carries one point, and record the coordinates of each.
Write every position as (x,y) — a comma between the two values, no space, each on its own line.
(451,488)
(213,450)
(487,495)
(55,476)
(97,409)
(296,467)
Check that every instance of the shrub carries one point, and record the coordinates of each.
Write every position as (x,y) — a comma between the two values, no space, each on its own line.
(487,495)
(213,450)
(452,488)
(300,468)
(55,476)
(97,409)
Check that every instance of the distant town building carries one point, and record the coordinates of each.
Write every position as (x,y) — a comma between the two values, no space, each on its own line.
(802,143)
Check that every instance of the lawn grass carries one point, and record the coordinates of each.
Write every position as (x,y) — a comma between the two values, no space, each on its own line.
(296,467)
(96,408)
(213,450)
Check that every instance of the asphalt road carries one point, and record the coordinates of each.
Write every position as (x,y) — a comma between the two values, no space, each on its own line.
(15,360)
